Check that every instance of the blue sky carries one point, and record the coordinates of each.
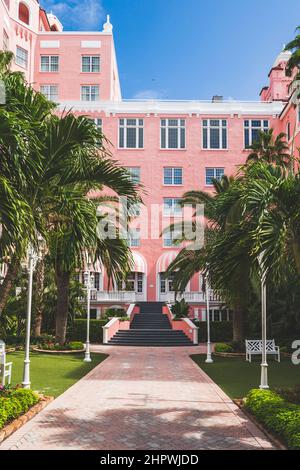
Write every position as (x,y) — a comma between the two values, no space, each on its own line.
(192,49)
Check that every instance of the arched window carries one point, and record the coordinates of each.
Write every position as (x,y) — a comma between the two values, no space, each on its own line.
(23,13)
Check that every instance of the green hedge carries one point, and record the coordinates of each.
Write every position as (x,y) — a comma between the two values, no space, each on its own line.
(220,331)
(277,415)
(14,403)
(78,331)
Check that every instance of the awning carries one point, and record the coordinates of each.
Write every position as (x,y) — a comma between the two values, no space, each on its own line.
(165,260)
(139,263)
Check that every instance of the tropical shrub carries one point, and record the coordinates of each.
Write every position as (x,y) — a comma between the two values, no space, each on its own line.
(78,331)
(14,403)
(180,309)
(223,348)
(71,346)
(277,415)
(219,331)
(115,312)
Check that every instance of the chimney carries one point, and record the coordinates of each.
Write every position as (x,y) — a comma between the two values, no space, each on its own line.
(217,99)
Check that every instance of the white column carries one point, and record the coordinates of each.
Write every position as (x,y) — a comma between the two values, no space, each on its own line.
(26,371)
(209,359)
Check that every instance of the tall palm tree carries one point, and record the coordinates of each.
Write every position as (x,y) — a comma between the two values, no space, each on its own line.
(224,237)
(294,61)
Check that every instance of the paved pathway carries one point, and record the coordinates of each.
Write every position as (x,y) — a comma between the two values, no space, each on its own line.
(141,398)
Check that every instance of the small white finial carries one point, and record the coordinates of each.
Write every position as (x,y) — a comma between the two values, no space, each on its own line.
(107,27)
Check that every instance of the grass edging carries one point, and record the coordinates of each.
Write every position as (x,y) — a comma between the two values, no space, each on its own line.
(17,423)
(275,441)
(52,351)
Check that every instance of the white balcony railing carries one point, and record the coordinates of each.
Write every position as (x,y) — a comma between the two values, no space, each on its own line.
(192,297)
(113,296)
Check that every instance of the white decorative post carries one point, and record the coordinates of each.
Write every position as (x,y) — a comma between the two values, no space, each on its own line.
(88,279)
(26,371)
(209,359)
(264,365)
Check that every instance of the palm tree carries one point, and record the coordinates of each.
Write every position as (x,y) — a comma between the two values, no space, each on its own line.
(224,237)
(294,47)
(270,149)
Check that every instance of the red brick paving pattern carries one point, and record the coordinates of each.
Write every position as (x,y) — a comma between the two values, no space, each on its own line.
(141,398)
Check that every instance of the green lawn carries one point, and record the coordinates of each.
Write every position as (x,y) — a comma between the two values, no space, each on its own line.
(236,376)
(52,374)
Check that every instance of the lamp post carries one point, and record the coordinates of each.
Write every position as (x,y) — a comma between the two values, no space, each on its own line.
(32,258)
(264,365)
(209,359)
(88,281)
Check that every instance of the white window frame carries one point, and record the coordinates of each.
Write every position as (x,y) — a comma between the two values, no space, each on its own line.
(221,127)
(125,123)
(90,94)
(171,211)
(134,237)
(98,123)
(165,125)
(49,95)
(90,57)
(250,127)
(173,168)
(51,66)
(168,238)
(24,60)
(215,169)
(135,178)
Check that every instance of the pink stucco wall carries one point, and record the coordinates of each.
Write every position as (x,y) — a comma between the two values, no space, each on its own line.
(151,159)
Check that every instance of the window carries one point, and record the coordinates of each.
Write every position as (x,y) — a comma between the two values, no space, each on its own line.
(172,133)
(135,174)
(89,93)
(23,13)
(49,63)
(169,238)
(97,281)
(134,237)
(5,41)
(90,63)
(213,173)
(214,134)
(22,57)
(131,133)
(139,283)
(172,207)
(50,91)
(166,283)
(252,130)
(98,123)
(173,176)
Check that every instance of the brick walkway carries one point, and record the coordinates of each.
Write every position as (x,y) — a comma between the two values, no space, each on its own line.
(141,398)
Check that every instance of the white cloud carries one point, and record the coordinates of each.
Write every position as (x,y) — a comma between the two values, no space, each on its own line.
(149,95)
(77,14)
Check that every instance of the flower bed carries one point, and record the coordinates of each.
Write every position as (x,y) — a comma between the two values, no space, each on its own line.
(52,347)
(277,415)
(17,406)
(15,402)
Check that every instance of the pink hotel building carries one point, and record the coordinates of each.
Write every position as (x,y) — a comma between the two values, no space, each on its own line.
(169,146)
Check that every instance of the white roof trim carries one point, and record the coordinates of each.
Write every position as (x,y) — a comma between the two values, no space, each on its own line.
(177,107)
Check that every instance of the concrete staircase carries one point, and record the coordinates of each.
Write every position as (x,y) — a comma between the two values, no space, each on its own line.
(150,327)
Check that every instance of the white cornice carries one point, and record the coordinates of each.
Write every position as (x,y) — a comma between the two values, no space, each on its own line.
(73,33)
(231,108)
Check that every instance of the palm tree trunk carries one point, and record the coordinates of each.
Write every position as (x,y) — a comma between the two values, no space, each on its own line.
(39,298)
(296,251)
(238,325)
(8,282)
(63,288)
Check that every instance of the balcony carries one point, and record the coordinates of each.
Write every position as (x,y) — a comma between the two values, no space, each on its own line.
(191,297)
(113,296)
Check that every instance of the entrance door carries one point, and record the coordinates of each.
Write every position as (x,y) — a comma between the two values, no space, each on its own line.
(135,282)
(166,288)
